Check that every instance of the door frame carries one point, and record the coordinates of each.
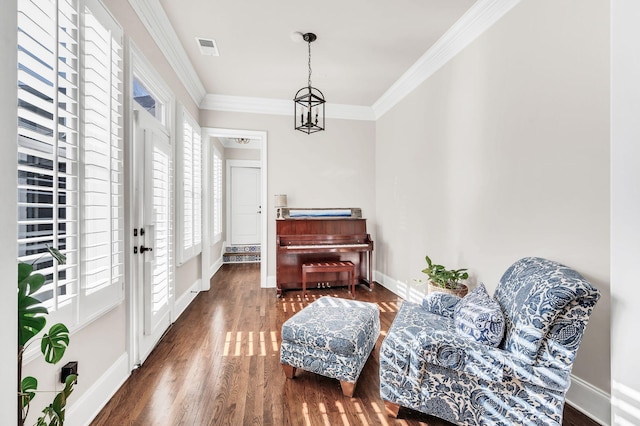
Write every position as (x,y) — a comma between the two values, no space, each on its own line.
(138,65)
(241,164)
(261,137)
(147,336)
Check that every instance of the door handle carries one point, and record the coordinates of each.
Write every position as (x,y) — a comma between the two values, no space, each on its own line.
(143,249)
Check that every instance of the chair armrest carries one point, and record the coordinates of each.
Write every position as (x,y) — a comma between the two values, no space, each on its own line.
(449,350)
(442,304)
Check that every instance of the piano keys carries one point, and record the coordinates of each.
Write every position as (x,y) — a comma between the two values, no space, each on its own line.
(315,235)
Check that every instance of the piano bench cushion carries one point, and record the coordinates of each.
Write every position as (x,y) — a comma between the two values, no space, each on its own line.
(332,337)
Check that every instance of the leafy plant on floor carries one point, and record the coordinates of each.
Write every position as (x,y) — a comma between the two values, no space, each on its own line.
(31,321)
(443,277)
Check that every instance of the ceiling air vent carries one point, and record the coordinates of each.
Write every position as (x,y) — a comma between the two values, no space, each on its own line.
(207,46)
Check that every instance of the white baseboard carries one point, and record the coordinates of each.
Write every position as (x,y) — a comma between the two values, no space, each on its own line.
(83,410)
(185,300)
(271,281)
(411,291)
(593,402)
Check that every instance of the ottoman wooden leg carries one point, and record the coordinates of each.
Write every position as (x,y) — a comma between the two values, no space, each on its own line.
(347,388)
(392,409)
(289,371)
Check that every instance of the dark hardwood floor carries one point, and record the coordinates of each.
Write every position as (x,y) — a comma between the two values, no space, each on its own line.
(219,365)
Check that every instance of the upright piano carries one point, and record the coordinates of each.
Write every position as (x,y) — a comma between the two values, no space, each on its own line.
(315,235)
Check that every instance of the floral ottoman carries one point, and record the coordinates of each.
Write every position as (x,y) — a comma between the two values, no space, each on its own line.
(332,337)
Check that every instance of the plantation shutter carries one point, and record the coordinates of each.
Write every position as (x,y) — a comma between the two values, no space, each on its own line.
(190,213)
(197,190)
(158,275)
(102,160)
(217,196)
(48,146)
(187,193)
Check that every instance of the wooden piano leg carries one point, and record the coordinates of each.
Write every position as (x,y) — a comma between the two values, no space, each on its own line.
(370,270)
(304,283)
(352,282)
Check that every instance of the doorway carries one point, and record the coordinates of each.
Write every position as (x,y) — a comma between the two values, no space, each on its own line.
(260,140)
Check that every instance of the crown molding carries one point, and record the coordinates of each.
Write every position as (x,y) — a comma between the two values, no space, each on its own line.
(281,107)
(481,16)
(155,20)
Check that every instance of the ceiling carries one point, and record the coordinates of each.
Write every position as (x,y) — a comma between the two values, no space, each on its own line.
(363,46)
(240,143)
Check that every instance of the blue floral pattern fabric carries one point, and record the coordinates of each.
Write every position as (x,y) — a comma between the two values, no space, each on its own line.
(427,366)
(479,317)
(533,293)
(332,337)
(441,303)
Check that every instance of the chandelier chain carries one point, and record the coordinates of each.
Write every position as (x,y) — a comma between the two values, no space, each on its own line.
(309,43)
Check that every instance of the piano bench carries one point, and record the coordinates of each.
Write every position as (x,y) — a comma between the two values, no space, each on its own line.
(330,266)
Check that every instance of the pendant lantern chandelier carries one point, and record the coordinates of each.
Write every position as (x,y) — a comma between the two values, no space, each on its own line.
(308,104)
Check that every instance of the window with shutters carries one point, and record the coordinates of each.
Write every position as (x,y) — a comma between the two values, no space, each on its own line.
(102,189)
(70,193)
(216,184)
(190,188)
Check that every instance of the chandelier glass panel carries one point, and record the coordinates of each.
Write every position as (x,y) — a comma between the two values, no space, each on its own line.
(308,104)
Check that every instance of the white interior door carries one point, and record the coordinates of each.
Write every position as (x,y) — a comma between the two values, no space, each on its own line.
(246,211)
(153,243)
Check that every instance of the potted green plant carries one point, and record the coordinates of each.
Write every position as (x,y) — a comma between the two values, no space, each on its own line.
(445,280)
(31,321)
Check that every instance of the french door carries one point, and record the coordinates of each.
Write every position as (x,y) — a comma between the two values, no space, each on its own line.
(152,258)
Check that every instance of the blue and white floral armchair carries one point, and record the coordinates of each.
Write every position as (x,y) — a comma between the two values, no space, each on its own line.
(490,361)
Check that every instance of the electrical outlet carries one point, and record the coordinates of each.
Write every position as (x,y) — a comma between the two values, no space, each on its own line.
(69,369)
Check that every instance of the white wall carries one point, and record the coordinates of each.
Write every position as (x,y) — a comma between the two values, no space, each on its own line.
(335,168)
(242,154)
(625,211)
(8,209)
(504,153)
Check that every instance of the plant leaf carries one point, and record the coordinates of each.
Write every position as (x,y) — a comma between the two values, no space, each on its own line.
(57,255)
(56,410)
(28,387)
(55,343)
(30,319)
(30,283)
(24,270)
